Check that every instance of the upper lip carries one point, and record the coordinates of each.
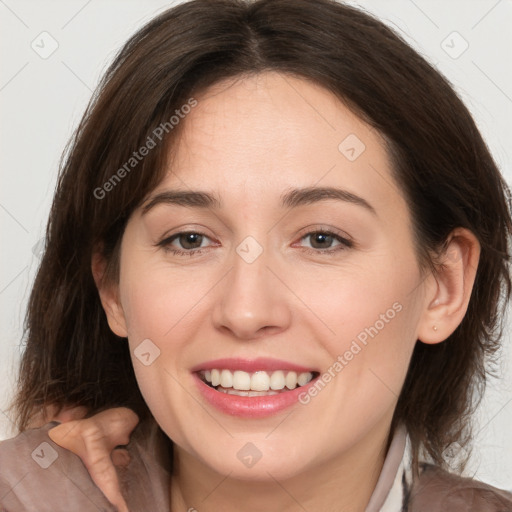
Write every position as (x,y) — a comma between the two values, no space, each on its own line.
(251,365)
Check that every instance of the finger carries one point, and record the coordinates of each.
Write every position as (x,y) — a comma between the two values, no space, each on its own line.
(113,425)
(89,443)
(116,425)
(104,475)
(93,439)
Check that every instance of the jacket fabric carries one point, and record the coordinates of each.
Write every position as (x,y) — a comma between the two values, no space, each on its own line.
(37,475)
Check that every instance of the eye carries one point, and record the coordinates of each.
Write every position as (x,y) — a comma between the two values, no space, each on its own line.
(322,240)
(191,241)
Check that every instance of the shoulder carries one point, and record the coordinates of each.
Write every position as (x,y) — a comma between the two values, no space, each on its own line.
(38,475)
(437,489)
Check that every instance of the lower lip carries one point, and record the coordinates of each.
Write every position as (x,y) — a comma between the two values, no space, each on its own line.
(250,406)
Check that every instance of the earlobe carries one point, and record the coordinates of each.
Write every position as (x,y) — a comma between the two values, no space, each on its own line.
(447,300)
(109,296)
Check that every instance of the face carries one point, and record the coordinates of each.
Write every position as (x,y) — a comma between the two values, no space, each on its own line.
(274,287)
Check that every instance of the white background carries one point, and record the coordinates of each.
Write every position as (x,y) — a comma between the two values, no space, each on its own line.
(42,101)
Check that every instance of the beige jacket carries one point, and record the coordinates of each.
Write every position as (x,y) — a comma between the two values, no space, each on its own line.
(37,475)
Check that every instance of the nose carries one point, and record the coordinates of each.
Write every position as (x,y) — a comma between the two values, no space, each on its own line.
(252,301)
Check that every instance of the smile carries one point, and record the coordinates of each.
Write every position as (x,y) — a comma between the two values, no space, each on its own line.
(255,388)
(258,383)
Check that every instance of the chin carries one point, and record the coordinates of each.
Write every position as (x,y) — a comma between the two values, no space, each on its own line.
(257,459)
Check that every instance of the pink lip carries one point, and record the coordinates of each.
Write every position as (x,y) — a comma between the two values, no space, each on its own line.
(249,406)
(250,365)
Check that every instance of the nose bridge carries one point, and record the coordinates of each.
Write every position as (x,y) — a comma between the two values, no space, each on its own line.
(252,300)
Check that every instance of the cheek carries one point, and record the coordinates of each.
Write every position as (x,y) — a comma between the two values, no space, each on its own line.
(155,298)
(359,303)
(154,312)
(369,321)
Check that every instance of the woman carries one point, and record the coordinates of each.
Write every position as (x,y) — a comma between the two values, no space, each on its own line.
(272,241)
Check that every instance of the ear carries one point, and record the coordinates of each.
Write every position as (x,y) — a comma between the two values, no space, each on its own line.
(109,296)
(449,291)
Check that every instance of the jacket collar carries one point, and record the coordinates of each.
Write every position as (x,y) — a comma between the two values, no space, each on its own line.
(395,480)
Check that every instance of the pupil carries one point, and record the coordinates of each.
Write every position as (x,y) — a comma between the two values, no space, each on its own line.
(190,238)
(323,237)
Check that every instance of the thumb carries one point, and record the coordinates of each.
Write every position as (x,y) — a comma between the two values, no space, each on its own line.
(93,440)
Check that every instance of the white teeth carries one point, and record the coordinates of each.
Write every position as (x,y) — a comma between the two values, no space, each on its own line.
(215,378)
(241,380)
(277,380)
(261,393)
(303,378)
(226,379)
(291,380)
(259,382)
(246,393)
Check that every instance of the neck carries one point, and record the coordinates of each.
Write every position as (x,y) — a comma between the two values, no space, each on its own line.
(343,482)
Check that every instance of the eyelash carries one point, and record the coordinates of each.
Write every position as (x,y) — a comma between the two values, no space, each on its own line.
(344,244)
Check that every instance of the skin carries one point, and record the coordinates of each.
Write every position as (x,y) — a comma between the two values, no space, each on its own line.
(97,440)
(249,141)
(94,440)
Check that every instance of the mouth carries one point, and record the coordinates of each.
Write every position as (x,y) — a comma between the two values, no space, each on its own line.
(252,388)
(257,383)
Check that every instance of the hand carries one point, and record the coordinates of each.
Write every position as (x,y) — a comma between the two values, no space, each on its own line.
(93,440)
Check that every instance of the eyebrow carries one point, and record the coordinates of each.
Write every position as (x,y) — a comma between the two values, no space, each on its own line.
(292,198)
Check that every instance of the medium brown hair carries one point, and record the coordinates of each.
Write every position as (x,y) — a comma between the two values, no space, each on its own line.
(440,162)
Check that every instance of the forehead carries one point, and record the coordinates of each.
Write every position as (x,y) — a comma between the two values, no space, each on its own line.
(257,136)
